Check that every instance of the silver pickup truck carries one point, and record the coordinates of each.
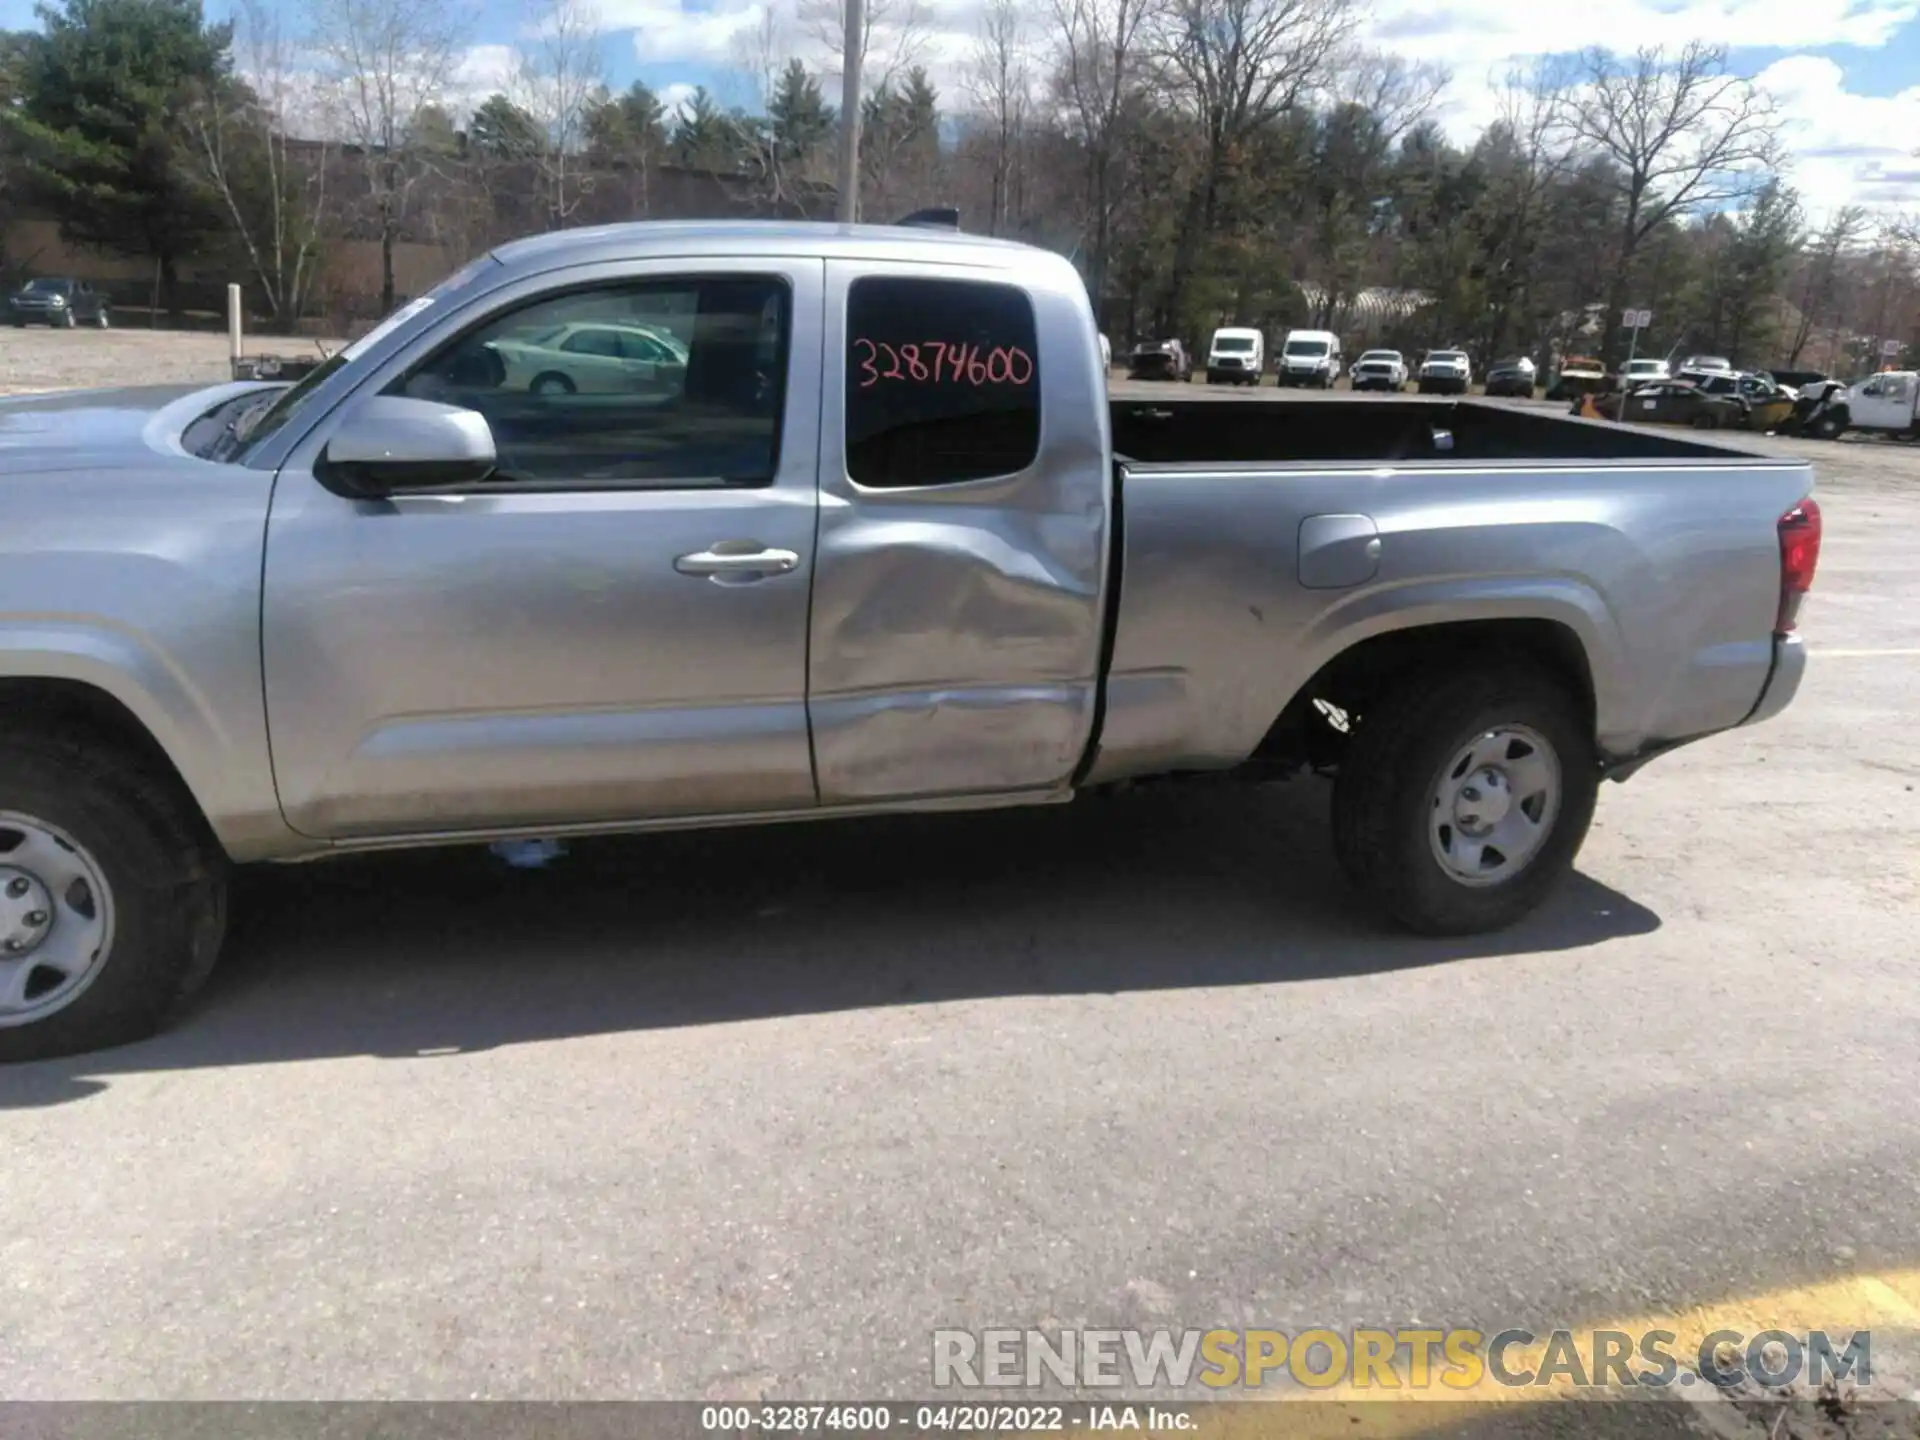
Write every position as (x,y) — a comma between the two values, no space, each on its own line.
(661,526)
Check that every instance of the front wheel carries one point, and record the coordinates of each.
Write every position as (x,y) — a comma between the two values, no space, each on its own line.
(112,898)
(1462,801)
(1829,426)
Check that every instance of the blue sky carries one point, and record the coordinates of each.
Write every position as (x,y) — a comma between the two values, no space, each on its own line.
(1847,72)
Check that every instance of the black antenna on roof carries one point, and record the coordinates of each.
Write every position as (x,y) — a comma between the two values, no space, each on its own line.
(934,217)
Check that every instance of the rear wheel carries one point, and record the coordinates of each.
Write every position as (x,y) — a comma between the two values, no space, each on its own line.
(1705,422)
(112,898)
(552,383)
(101,321)
(1463,798)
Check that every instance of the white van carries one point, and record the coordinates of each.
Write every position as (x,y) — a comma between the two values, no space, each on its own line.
(1310,357)
(1236,355)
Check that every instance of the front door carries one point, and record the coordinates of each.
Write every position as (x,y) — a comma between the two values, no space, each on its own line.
(1884,403)
(613,627)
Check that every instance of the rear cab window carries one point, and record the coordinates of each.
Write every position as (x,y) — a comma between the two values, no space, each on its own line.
(942,381)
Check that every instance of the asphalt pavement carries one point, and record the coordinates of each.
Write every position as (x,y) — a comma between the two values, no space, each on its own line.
(751,1114)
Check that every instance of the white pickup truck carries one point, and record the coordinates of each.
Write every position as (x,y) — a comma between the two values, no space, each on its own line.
(1888,402)
(870,538)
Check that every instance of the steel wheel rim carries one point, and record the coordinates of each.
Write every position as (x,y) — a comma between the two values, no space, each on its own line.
(1493,805)
(56,919)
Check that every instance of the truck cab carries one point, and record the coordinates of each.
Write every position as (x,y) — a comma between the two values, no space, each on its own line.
(1885,402)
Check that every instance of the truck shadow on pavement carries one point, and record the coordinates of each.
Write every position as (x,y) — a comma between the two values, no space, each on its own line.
(450,951)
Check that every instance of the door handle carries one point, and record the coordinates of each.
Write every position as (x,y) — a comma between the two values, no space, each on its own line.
(725,560)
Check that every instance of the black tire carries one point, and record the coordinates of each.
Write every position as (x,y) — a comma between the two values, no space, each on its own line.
(67,319)
(165,876)
(1830,425)
(102,322)
(1383,795)
(551,383)
(1705,422)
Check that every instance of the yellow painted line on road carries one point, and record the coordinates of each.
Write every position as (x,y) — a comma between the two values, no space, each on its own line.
(1889,1301)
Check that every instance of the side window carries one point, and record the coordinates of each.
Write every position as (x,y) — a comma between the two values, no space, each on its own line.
(943,381)
(605,343)
(706,413)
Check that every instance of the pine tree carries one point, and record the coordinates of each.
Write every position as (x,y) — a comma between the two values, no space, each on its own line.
(95,120)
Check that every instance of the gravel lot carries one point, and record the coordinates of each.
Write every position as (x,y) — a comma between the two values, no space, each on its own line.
(40,359)
(740,1114)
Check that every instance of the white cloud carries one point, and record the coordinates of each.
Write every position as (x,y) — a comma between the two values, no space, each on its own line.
(1848,148)
(1473,36)
(669,32)
(675,98)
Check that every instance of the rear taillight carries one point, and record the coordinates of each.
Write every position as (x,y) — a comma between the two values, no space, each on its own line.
(1799,556)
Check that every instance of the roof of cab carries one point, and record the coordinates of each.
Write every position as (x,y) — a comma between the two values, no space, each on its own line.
(759,237)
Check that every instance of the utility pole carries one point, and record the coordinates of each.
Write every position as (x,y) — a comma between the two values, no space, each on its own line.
(850,57)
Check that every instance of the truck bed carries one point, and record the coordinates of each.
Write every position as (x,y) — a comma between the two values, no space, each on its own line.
(1236,432)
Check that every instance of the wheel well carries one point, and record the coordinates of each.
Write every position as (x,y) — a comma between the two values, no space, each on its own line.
(1313,727)
(77,709)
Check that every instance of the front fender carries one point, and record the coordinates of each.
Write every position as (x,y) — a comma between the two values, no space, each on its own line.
(221,761)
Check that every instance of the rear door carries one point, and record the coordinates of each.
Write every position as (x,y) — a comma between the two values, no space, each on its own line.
(964,500)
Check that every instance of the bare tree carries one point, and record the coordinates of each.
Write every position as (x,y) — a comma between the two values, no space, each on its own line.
(1821,275)
(1682,134)
(999,82)
(1527,157)
(1371,101)
(559,77)
(1237,66)
(893,37)
(273,188)
(381,64)
(1099,74)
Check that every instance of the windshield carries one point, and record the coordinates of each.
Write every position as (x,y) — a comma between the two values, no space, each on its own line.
(1447,357)
(1306,347)
(252,426)
(1645,367)
(1233,344)
(48,287)
(1380,357)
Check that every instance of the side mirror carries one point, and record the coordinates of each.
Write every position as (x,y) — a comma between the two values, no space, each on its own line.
(392,443)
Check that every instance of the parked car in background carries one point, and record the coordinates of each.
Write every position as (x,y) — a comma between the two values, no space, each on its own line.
(1160,360)
(1666,402)
(1512,377)
(1579,375)
(1717,363)
(1380,370)
(1106,353)
(1819,410)
(1236,356)
(591,358)
(1643,372)
(1311,358)
(1799,379)
(61,303)
(1445,372)
(1767,404)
